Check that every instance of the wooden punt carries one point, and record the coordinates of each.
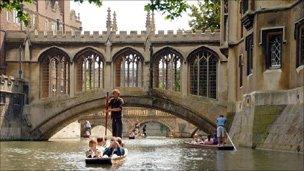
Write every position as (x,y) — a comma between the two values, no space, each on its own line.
(106,161)
(215,147)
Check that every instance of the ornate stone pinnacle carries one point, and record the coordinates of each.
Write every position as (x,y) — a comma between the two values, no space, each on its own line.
(152,22)
(114,26)
(109,22)
(148,22)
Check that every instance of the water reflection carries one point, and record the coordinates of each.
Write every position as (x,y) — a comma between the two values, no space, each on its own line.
(155,154)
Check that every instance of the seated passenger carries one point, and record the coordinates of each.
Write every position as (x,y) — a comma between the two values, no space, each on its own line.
(132,134)
(215,142)
(197,139)
(101,144)
(113,149)
(209,140)
(121,145)
(93,152)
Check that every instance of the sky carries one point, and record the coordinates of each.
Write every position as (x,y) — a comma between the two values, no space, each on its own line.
(130,16)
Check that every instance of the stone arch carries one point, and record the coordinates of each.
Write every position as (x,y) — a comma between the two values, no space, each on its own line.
(89,48)
(167,65)
(203,66)
(157,121)
(213,49)
(168,48)
(50,49)
(89,67)
(54,66)
(64,114)
(128,68)
(117,51)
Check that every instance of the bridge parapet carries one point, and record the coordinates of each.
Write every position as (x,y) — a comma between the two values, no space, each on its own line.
(124,36)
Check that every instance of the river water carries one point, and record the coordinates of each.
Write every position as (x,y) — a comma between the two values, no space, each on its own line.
(144,154)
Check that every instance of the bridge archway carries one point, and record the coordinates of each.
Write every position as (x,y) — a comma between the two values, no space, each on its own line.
(166,128)
(54,72)
(128,64)
(167,65)
(89,66)
(66,113)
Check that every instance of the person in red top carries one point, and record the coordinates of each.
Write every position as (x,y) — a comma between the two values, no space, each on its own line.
(115,107)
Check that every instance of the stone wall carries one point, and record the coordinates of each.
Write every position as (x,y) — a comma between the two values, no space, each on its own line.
(12,100)
(270,120)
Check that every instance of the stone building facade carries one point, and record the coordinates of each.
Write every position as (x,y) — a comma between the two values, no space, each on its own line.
(264,43)
(48,15)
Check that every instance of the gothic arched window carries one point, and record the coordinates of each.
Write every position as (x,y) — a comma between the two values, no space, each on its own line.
(128,68)
(89,70)
(167,69)
(54,65)
(203,72)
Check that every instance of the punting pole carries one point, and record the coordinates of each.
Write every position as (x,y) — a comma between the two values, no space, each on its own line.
(230,140)
(107,107)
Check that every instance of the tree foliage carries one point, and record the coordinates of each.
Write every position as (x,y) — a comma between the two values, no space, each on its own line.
(206,15)
(170,8)
(23,16)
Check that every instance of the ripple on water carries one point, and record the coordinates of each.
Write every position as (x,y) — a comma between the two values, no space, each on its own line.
(144,154)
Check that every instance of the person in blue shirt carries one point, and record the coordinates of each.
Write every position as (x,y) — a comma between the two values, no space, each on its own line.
(220,123)
(114,148)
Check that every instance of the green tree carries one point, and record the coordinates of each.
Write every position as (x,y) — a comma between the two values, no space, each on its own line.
(17,5)
(170,8)
(206,15)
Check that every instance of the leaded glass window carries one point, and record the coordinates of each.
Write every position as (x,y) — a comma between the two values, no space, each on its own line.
(129,68)
(54,73)
(300,56)
(203,72)
(274,50)
(167,69)
(90,70)
(249,49)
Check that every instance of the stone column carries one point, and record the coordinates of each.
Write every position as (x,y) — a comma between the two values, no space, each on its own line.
(184,78)
(108,75)
(72,80)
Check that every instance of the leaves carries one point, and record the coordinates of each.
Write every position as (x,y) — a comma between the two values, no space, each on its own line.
(23,16)
(170,8)
(206,15)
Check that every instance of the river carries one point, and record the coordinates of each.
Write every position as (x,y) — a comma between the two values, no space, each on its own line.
(144,154)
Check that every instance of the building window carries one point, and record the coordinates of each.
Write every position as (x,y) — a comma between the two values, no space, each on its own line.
(241,63)
(54,28)
(8,16)
(249,49)
(272,42)
(203,72)
(15,17)
(54,65)
(33,21)
(128,68)
(89,70)
(300,45)
(167,69)
(244,6)
(46,25)
(274,50)
(225,6)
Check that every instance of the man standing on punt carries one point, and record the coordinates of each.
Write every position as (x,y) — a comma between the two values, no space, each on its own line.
(220,131)
(115,104)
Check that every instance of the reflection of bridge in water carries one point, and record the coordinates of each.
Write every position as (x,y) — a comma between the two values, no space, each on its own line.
(131,116)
